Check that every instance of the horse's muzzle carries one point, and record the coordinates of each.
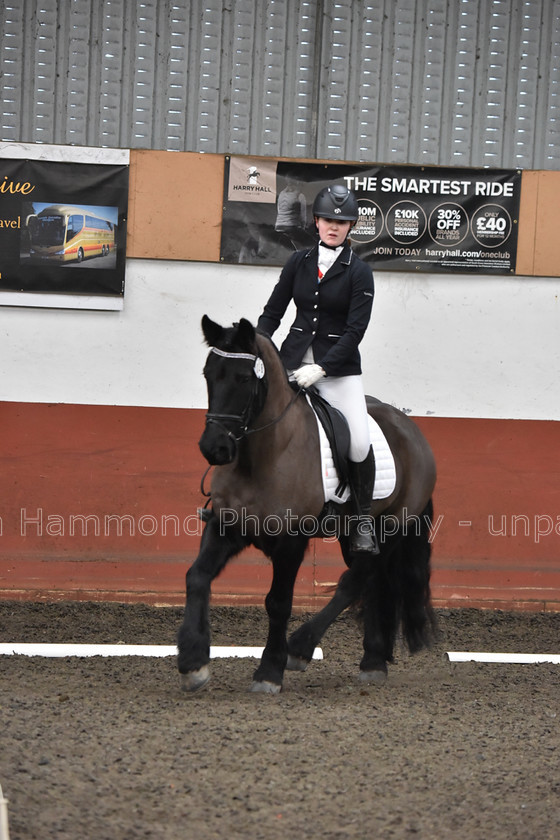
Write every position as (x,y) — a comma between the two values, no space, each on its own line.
(218,446)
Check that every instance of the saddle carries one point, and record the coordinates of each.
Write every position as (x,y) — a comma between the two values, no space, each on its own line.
(337,432)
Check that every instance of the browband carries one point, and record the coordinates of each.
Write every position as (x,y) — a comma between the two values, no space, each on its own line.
(248,356)
(258,367)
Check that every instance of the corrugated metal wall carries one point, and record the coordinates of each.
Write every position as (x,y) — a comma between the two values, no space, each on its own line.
(449,82)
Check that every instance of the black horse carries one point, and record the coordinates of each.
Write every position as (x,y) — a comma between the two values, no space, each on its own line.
(263,440)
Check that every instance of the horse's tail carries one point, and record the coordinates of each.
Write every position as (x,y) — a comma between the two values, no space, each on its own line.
(396,595)
(418,619)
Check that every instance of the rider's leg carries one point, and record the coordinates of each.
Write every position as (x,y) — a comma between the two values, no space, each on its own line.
(362,480)
(347,394)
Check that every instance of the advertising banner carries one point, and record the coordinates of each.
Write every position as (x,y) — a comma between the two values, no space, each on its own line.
(431,219)
(62,227)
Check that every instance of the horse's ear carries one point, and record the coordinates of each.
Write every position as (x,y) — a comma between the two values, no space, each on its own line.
(246,335)
(212,332)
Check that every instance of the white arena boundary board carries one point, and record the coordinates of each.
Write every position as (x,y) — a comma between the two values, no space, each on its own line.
(239,651)
(63,650)
(505,658)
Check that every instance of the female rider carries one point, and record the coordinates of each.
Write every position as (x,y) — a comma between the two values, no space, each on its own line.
(333,292)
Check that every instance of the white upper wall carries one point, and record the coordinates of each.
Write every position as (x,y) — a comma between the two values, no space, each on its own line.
(448,346)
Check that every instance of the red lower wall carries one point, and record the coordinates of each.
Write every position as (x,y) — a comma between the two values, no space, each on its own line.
(99,503)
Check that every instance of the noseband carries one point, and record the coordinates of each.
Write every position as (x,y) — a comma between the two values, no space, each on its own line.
(244,418)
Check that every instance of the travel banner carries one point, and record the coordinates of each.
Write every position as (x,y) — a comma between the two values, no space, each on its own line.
(431,219)
(62,227)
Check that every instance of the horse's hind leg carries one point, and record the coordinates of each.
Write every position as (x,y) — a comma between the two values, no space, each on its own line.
(286,558)
(418,618)
(380,619)
(193,639)
(398,594)
(305,639)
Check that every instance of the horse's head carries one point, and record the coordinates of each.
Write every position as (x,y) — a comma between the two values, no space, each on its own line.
(237,387)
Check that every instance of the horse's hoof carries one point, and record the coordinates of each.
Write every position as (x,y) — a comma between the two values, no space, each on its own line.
(373,677)
(195,680)
(296,663)
(265,687)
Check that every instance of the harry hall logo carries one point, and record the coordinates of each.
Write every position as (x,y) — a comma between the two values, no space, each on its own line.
(252,180)
(253,185)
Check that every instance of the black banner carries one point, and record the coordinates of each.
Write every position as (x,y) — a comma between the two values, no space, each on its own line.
(411,218)
(63,227)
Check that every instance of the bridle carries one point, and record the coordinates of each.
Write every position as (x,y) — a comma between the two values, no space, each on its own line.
(244,418)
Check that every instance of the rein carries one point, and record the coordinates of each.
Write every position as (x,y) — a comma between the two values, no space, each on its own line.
(276,419)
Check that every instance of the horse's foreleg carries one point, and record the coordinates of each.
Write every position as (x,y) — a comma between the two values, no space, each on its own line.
(286,560)
(193,639)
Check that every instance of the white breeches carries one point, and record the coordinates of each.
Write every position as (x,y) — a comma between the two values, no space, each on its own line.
(347,394)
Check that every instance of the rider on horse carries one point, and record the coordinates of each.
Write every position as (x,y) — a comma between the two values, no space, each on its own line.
(333,292)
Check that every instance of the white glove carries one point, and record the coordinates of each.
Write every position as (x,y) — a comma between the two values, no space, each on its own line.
(308,375)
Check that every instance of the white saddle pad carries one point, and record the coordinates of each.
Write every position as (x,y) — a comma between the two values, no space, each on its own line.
(385,474)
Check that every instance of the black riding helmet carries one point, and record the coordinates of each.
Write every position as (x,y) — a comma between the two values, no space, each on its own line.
(336,202)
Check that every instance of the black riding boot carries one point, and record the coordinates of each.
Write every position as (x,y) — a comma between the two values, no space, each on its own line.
(362,479)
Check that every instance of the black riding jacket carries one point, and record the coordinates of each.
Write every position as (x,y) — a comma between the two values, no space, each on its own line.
(332,314)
